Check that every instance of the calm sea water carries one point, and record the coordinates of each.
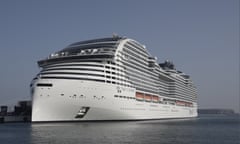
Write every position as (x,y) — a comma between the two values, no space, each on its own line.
(203,130)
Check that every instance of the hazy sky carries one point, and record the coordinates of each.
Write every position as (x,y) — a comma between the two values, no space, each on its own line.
(200,36)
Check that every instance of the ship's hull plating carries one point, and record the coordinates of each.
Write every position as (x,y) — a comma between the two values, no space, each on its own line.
(78,100)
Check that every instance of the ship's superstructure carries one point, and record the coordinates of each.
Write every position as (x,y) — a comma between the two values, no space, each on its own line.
(110,79)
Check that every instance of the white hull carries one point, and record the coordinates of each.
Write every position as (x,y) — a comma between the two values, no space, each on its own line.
(67,100)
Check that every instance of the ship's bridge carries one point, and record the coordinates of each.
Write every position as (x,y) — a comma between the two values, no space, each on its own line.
(103,48)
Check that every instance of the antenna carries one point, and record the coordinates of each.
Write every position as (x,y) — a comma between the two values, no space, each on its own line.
(115,35)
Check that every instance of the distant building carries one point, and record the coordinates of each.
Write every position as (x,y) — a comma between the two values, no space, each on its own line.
(22,112)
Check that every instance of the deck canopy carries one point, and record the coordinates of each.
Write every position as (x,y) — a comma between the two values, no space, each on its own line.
(90,49)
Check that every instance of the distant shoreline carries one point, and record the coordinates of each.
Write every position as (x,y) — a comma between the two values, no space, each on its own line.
(214,111)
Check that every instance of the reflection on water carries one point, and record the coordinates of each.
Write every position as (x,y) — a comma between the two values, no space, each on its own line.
(94,132)
(204,130)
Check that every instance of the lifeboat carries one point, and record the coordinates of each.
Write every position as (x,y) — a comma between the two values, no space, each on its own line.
(155,98)
(180,103)
(139,96)
(148,97)
(183,103)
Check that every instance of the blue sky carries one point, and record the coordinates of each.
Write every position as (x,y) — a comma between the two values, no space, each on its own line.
(200,36)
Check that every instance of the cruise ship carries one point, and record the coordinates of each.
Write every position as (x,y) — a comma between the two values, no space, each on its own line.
(113,78)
